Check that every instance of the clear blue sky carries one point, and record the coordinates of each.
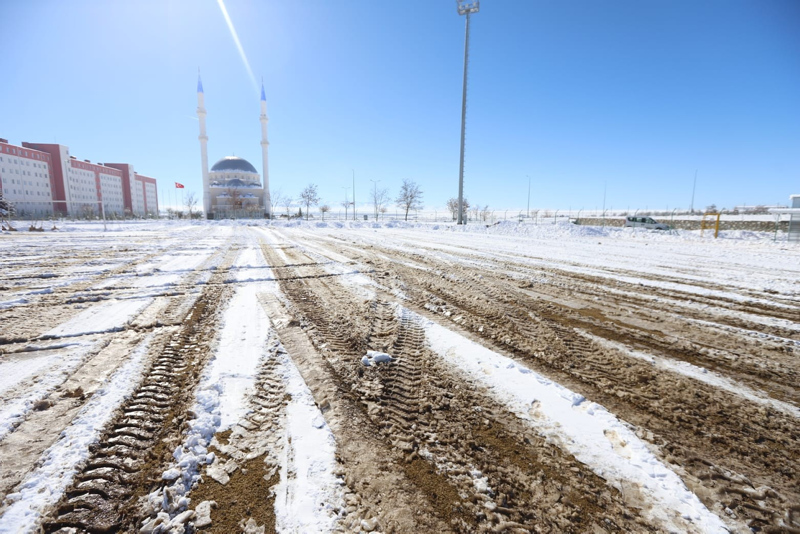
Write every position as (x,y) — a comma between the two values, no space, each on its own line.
(579,95)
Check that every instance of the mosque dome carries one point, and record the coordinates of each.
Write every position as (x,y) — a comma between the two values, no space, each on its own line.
(233,164)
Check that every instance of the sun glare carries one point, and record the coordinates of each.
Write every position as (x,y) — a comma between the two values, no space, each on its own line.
(238,43)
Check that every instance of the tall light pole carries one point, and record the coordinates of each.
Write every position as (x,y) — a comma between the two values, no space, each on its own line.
(354,194)
(694,186)
(465,7)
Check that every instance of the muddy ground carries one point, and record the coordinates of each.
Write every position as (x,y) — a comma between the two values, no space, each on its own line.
(420,447)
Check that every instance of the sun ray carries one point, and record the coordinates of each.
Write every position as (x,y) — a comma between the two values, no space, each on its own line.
(238,43)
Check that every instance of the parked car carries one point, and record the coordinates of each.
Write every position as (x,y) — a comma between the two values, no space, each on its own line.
(645,222)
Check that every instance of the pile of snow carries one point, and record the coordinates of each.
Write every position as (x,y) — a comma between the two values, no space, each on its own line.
(373,357)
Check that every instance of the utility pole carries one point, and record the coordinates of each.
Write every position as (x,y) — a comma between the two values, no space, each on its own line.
(354,194)
(528,213)
(375,197)
(604,204)
(465,7)
(694,186)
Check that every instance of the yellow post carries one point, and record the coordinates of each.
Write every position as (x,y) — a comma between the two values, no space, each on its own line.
(704,224)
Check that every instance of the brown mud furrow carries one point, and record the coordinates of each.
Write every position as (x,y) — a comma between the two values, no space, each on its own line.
(22,325)
(480,469)
(626,324)
(513,265)
(127,461)
(638,322)
(245,471)
(736,454)
(751,443)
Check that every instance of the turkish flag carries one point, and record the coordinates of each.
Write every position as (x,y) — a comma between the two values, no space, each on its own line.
(178,186)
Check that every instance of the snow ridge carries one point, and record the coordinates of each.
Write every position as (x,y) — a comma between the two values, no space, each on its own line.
(58,464)
(587,430)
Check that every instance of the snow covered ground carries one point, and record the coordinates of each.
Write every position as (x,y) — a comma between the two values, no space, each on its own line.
(606,343)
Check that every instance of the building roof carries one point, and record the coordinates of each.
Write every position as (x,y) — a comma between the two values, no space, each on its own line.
(785,211)
(233,164)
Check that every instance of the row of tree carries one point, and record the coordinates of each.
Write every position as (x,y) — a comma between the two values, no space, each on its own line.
(408,199)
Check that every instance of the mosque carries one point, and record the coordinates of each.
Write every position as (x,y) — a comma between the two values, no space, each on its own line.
(233,187)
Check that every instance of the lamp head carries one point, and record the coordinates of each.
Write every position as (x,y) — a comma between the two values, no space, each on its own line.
(468,6)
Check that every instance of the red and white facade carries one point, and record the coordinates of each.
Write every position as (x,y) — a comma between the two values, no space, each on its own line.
(43,179)
(26,179)
(139,192)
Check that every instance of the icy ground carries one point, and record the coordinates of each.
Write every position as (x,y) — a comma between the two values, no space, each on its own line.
(81,311)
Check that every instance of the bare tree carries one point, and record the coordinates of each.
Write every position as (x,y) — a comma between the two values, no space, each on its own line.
(452,206)
(252,209)
(379,199)
(475,210)
(236,197)
(275,199)
(323,210)
(87,211)
(309,197)
(190,201)
(410,196)
(345,204)
(286,202)
(485,213)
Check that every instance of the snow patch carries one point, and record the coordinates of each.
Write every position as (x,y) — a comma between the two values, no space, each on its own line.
(57,466)
(52,371)
(585,429)
(109,316)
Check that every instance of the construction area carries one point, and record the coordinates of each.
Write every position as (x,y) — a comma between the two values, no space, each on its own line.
(365,377)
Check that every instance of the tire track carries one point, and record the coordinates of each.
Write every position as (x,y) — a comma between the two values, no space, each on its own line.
(480,470)
(244,473)
(127,460)
(751,445)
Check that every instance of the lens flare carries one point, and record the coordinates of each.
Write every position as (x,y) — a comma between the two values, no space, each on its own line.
(238,43)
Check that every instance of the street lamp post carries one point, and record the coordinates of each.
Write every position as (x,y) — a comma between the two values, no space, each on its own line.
(375,196)
(465,7)
(528,213)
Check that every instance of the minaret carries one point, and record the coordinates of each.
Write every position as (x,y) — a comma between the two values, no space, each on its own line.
(264,150)
(201,115)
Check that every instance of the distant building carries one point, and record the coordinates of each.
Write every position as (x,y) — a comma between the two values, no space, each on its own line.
(233,184)
(793,234)
(43,180)
(26,179)
(139,192)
